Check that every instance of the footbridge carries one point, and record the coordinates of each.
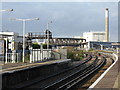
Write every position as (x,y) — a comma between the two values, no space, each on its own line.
(68,41)
(55,41)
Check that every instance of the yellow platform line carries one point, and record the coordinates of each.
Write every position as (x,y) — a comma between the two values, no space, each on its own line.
(2,64)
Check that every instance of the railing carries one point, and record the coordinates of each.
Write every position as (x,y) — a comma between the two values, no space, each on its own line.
(12,58)
(38,35)
(37,55)
(34,34)
(2,57)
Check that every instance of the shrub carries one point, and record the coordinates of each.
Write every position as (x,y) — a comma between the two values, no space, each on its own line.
(36,46)
(75,55)
(45,46)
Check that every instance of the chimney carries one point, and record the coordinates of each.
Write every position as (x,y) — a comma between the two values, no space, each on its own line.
(107,25)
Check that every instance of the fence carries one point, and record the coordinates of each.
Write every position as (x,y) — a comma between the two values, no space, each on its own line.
(58,55)
(45,54)
(40,55)
(12,58)
(1,57)
(35,55)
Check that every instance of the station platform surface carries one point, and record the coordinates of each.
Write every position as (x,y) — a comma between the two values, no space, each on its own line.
(16,66)
(111,79)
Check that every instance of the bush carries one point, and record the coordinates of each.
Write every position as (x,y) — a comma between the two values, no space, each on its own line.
(45,46)
(75,55)
(36,46)
(91,49)
(70,55)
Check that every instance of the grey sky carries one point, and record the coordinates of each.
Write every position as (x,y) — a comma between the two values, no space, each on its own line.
(69,19)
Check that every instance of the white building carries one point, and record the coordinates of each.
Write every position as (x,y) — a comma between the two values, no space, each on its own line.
(94,36)
(77,37)
(12,39)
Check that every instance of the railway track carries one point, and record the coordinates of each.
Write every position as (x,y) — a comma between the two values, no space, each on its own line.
(60,76)
(33,82)
(70,81)
(84,75)
(95,76)
(37,80)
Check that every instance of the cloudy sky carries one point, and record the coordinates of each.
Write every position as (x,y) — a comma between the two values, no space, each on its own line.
(69,18)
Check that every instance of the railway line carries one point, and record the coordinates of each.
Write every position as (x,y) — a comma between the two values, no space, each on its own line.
(59,75)
(70,81)
(86,85)
(67,78)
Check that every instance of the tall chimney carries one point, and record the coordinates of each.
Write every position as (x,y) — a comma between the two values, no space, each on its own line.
(107,25)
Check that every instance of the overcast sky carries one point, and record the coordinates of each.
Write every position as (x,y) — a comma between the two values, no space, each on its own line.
(69,18)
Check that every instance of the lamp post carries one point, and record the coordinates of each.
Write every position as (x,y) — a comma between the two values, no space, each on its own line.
(48,36)
(24,24)
(9,10)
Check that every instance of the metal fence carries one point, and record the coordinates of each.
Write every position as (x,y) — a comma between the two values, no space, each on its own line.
(34,55)
(13,58)
(40,55)
(45,54)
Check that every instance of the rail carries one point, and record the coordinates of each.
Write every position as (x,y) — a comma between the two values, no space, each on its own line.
(61,72)
(58,84)
(84,75)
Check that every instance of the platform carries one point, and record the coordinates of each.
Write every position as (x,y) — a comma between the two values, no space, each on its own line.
(110,80)
(15,74)
(18,66)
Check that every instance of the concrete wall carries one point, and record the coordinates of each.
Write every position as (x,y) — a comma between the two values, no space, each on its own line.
(59,54)
(19,76)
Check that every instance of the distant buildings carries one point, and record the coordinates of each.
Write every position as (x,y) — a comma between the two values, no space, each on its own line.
(78,37)
(99,36)
(94,36)
(13,39)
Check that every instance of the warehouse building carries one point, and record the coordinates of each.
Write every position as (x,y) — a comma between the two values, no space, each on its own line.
(94,36)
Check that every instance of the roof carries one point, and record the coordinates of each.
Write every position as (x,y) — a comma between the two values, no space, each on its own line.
(93,32)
